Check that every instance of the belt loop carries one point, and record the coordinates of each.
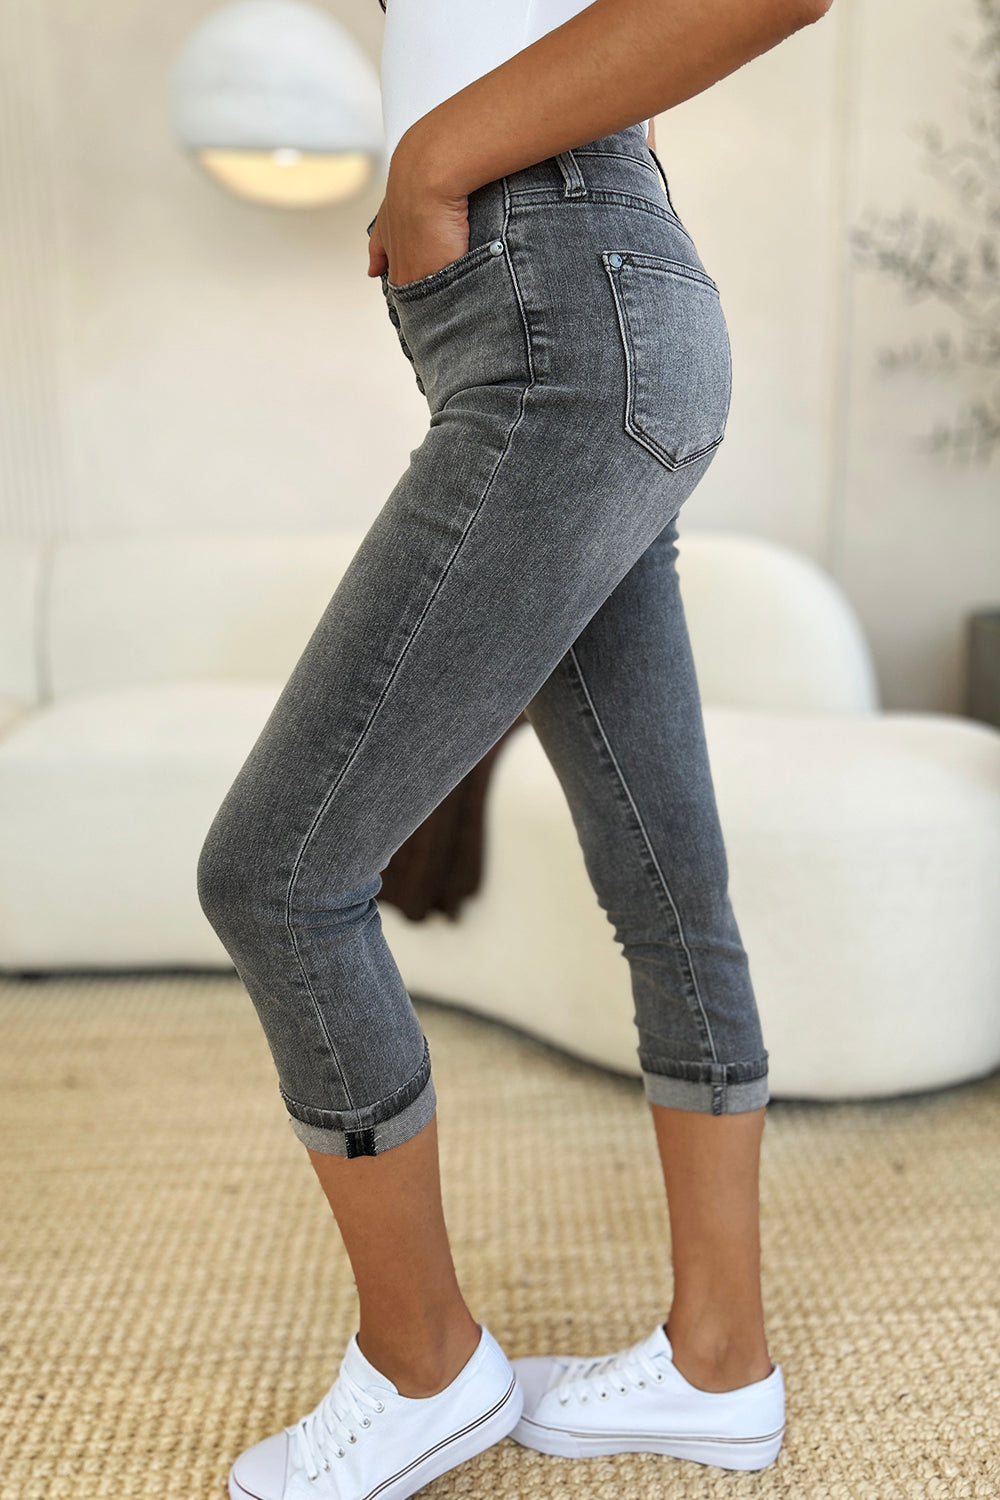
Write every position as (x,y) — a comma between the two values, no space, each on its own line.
(573,183)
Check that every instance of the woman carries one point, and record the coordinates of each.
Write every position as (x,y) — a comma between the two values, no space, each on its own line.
(575,360)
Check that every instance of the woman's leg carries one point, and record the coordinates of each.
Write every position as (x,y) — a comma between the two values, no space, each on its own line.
(522,511)
(415,1326)
(463,597)
(621,721)
(710,1169)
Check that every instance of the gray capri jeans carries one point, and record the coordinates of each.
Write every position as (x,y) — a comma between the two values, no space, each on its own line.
(576,364)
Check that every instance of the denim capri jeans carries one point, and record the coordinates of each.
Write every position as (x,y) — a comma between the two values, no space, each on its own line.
(576,365)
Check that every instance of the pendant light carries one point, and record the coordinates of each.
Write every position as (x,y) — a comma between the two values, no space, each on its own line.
(279,103)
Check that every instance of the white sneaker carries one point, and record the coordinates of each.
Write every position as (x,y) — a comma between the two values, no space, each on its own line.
(639,1402)
(364,1439)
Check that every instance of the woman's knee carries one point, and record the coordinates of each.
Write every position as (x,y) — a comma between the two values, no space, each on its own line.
(256,884)
(229,876)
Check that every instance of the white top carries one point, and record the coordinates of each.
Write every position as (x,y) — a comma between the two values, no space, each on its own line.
(433,48)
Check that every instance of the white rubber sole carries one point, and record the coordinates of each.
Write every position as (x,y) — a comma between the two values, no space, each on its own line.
(494,1425)
(723,1452)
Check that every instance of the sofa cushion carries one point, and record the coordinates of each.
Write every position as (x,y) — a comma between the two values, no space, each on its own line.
(21,569)
(105,799)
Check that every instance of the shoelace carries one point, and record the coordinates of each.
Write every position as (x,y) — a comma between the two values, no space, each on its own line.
(345,1402)
(584,1375)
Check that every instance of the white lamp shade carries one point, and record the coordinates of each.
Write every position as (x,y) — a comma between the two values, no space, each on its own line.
(275,76)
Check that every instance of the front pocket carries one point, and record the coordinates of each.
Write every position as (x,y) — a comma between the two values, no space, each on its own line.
(461,326)
(445,275)
(677,357)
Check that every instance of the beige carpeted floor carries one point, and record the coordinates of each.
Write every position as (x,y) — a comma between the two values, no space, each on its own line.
(174,1287)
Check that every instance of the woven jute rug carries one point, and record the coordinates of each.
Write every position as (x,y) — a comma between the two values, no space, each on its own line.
(175,1288)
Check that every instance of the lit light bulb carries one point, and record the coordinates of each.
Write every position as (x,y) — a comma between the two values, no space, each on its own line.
(279,104)
(287,177)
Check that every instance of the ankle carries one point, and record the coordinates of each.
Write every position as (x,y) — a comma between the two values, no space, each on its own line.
(422,1366)
(719,1361)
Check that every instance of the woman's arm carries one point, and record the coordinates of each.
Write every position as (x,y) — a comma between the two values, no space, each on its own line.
(610,65)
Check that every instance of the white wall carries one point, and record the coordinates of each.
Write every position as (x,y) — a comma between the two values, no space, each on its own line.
(172,358)
(771,168)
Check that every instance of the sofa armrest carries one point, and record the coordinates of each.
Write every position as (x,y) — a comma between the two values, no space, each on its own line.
(770,629)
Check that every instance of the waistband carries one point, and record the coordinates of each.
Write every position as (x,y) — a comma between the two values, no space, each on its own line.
(573,173)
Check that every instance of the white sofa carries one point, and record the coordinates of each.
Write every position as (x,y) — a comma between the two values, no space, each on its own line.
(864,846)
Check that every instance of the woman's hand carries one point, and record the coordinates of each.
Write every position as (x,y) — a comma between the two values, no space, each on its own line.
(417,230)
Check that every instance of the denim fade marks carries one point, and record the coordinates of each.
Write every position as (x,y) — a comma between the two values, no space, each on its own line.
(522,562)
(690,975)
(373,1128)
(711,1087)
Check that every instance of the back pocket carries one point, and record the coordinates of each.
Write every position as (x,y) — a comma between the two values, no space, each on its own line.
(677,357)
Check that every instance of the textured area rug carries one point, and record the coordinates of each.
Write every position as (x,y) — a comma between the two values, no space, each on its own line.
(175,1288)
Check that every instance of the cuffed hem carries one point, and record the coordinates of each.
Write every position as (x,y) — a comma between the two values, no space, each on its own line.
(710,1088)
(376,1138)
(367,1115)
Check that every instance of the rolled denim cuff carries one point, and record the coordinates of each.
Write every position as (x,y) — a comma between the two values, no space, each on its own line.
(376,1138)
(709,1088)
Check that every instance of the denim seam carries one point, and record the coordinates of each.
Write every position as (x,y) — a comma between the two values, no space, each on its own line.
(574,185)
(630,351)
(693,1072)
(645,260)
(473,259)
(618,155)
(381,1136)
(617,196)
(613,196)
(388,683)
(405,1091)
(529,351)
(719,1094)
(691,976)
(663,176)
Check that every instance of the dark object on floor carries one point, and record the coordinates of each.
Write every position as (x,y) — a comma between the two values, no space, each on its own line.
(442,861)
(982,666)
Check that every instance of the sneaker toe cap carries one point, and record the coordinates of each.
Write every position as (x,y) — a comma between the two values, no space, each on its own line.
(259,1472)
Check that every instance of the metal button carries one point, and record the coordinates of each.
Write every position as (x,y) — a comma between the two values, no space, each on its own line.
(496,247)
(614,260)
